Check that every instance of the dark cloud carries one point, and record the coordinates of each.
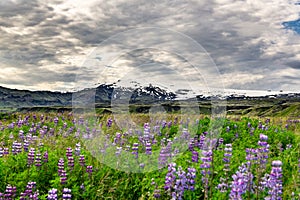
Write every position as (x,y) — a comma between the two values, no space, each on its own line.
(294,64)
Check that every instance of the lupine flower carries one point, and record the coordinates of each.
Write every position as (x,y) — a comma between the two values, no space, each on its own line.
(21,134)
(185,134)
(52,194)
(10,192)
(148,148)
(156,194)
(26,145)
(38,159)
(30,156)
(16,147)
(118,151)
(55,120)
(109,122)
(192,144)
(205,166)
(82,186)
(66,194)
(63,177)
(223,185)
(191,176)
(60,164)
(6,151)
(170,178)
(1,152)
(195,156)
(142,165)
(30,192)
(89,169)
(135,149)
(77,149)
(274,183)
(227,129)
(69,152)
(45,157)
(263,151)
(81,160)
(70,162)
(202,140)
(181,184)
(242,180)
(220,142)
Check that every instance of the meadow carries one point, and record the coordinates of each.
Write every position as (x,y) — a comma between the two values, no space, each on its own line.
(48,156)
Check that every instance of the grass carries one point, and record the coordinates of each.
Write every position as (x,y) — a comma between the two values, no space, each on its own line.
(107,182)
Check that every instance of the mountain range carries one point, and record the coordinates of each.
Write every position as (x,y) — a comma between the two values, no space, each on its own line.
(141,97)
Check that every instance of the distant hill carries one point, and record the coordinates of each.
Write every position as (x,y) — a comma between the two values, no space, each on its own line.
(103,95)
(142,97)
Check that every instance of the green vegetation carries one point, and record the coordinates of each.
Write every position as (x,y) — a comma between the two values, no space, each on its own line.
(49,149)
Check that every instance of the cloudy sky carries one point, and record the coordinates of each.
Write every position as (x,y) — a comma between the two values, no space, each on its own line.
(242,44)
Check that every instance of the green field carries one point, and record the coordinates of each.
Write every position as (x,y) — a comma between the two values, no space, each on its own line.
(34,143)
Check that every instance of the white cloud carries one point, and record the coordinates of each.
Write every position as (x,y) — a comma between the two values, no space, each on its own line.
(246,38)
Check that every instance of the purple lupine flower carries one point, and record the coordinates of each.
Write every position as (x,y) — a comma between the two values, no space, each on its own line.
(135,149)
(10,192)
(117,139)
(181,184)
(195,156)
(6,151)
(109,122)
(170,178)
(21,134)
(52,194)
(156,194)
(16,148)
(89,170)
(38,159)
(77,149)
(274,183)
(45,157)
(66,194)
(227,129)
(163,124)
(61,166)
(289,146)
(55,120)
(1,152)
(82,187)
(148,148)
(249,125)
(185,134)
(223,185)
(202,140)
(251,154)
(81,160)
(242,181)
(69,152)
(191,176)
(26,145)
(63,177)
(205,166)
(30,156)
(169,124)
(71,162)
(192,144)
(30,192)
(118,151)
(220,142)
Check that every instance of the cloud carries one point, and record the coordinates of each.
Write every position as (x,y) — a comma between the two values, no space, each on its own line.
(46,42)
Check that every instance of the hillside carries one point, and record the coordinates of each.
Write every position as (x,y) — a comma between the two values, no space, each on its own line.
(141,99)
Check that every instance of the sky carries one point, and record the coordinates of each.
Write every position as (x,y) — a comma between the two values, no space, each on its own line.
(63,45)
